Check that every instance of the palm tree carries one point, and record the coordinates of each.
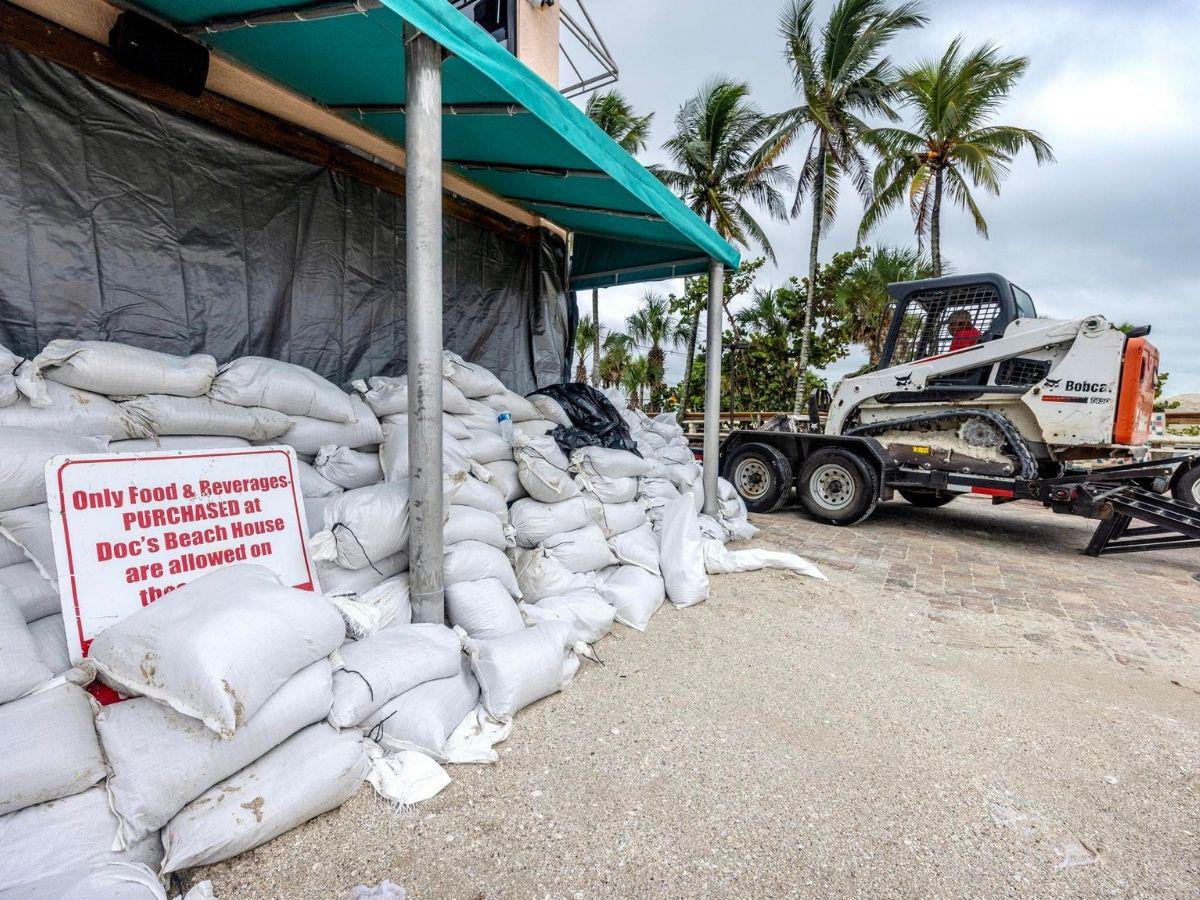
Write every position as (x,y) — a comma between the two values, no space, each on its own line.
(765,313)
(864,306)
(587,338)
(953,142)
(841,78)
(720,165)
(615,359)
(653,324)
(634,378)
(616,118)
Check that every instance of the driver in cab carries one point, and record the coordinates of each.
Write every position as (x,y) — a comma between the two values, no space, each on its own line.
(963,332)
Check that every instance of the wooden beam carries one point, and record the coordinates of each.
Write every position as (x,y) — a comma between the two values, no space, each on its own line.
(57,44)
(94,18)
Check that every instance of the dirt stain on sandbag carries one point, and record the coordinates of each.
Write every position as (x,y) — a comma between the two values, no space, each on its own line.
(255,806)
(238,709)
(149,666)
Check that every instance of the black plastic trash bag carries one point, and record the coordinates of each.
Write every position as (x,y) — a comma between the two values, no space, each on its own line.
(590,412)
(573,438)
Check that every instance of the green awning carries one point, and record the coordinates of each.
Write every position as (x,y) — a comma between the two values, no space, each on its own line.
(504,128)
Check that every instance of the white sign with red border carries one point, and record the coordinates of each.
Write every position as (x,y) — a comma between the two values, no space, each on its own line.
(132,527)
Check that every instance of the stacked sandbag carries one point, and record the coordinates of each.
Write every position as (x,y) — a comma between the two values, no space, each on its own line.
(224,744)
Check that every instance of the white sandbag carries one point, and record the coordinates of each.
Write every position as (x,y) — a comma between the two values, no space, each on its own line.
(178,442)
(165,415)
(10,554)
(9,362)
(284,387)
(107,367)
(549,408)
(634,593)
(336,581)
(371,672)
(26,451)
(503,475)
(609,462)
(521,668)
(393,454)
(581,550)
(424,717)
(76,412)
(542,469)
(63,837)
(162,760)
(486,447)
(534,521)
(541,575)
(388,396)
(666,425)
(363,526)
(51,641)
(585,612)
(309,434)
(480,494)
(466,523)
(483,608)
(473,560)
(35,595)
(719,561)
(481,418)
(676,454)
(29,527)
(310,773)
(473,380)
(453,426)
(379,607)
(348,468)
(21,665)
(609,490)
(684,476)
(520,409)
(314,515)
(711,529)
(659,488)
(682,554)
(313,483)
(618,518)
(49,747)
(534,427)
(218,647)
(114,880)
(638,547)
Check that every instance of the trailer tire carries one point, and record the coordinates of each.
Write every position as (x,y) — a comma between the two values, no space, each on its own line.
(762,476)
(924,498)
(838,487)
(1186,487)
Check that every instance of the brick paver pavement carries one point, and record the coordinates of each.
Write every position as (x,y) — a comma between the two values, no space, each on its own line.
(1018,561)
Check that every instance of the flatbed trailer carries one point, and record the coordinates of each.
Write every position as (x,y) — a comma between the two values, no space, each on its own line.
(841,479)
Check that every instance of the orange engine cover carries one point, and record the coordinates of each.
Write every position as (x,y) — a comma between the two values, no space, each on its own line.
(1135,400)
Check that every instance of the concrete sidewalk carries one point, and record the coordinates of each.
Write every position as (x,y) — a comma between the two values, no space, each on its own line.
(967,708)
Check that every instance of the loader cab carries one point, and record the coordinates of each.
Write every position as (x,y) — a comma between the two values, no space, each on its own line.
(938,316)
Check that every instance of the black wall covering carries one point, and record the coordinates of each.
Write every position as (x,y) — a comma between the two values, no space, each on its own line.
(122,221)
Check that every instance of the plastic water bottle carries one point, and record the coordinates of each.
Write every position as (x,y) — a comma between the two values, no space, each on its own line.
(506,426)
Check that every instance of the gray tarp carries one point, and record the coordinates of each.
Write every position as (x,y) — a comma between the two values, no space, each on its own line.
(122,221)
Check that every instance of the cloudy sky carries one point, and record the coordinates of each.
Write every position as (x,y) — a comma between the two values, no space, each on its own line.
(1112,228)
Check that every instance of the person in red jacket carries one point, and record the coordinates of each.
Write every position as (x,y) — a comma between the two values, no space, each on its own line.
(963,332)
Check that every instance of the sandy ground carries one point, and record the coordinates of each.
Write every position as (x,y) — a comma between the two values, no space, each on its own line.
(793,737)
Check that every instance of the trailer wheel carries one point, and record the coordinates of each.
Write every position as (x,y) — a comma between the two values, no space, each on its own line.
(1186,488)
(762,476)
(838,487)
(926,499)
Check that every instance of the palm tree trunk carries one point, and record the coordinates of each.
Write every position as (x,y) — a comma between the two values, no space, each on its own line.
(935,225)
(813,247)
(596,337)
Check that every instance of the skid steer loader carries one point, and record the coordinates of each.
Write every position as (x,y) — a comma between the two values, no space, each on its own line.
(974,393)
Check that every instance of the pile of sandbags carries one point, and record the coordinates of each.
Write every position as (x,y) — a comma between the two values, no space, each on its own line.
(224,744)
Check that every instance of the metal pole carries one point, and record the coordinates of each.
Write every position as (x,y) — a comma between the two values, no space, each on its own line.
(423,243)
(712,385)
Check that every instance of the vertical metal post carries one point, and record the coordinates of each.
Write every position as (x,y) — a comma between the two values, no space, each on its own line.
(712,384)
(423,244)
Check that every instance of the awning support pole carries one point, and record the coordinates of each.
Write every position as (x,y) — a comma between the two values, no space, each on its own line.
(423,242)
(712,384)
